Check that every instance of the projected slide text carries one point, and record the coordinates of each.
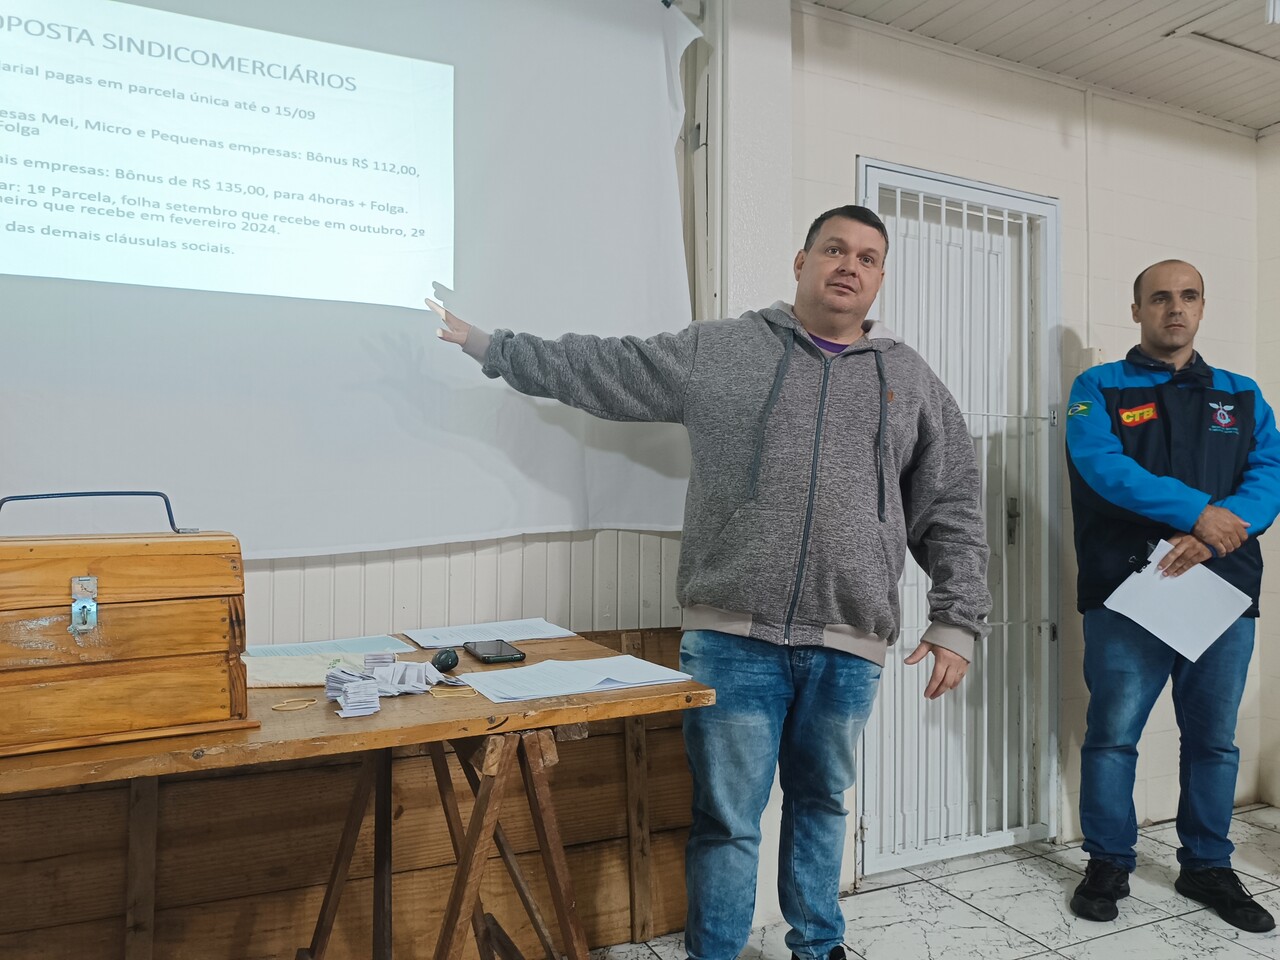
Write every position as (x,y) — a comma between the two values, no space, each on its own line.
(144,147)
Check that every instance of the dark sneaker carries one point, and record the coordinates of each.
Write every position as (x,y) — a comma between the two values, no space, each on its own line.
(1104,883)
(1221,889)
(836,953)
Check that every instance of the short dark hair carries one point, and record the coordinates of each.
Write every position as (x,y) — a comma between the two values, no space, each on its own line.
(1137,281)
(849,212)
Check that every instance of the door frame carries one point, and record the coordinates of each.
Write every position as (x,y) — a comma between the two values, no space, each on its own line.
(872,175)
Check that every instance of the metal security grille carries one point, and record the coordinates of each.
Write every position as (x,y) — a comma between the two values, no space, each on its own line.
(969,284)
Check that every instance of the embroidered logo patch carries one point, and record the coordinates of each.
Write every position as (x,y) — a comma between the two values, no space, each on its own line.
(1223,421)
(1138,415)
(1080,408)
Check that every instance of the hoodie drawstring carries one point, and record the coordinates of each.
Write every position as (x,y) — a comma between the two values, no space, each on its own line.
(778,377)
(882,430)
(880,433)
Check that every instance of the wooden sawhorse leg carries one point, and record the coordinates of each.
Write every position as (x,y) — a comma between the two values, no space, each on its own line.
(536,752)
(490,936)
(374,777)
(458,833)
(495,760)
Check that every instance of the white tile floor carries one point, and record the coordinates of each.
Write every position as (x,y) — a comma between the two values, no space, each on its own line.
(1012,904)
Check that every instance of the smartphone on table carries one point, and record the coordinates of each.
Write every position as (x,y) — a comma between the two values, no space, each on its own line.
(493,651)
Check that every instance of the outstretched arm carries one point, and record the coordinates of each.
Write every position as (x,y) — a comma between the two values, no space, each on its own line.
(617,378)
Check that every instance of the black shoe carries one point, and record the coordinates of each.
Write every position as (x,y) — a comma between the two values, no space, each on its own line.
(1104,883)
(837,953)
(1221,889)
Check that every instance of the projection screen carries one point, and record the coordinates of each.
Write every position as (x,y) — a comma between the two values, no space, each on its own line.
(215,238)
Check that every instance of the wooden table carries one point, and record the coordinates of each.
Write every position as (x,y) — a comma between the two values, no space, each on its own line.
(492,740)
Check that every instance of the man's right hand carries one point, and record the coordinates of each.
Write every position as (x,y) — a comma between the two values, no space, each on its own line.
(1186,553)
(455,330)
(1220,529)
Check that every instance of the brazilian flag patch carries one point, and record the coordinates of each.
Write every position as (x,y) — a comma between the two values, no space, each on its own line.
(1080,408)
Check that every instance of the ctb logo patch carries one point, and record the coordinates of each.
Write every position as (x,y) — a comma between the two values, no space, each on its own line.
(1134,416)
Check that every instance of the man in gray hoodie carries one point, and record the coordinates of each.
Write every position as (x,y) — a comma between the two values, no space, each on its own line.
(822,449)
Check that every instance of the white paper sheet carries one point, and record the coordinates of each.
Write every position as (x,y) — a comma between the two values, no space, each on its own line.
(1187,612)
(558,678)
(332,648)
(510,630)
(303,671)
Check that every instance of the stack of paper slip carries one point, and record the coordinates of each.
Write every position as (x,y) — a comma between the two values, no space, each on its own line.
(404,677)
(337,679)
(356,693)
(372,661)
(359,699)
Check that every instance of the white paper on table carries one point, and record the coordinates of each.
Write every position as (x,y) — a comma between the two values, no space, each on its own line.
(558,678)
(534,628)
(302,671)
(331,648)
(1188,612)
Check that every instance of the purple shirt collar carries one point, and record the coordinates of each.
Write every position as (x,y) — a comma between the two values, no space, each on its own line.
(828,345)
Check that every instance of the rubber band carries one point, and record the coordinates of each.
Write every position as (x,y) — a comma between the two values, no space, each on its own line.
(298,703)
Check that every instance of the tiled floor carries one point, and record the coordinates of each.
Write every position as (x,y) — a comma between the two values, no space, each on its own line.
(1012,904)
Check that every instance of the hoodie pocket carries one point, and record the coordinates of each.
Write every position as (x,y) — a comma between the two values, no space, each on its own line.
(850,577)
(749,565)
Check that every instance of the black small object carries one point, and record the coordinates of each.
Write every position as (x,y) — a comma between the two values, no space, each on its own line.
(445,660)
(493,651)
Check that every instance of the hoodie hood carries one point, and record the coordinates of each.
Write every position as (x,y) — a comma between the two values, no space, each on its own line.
(876,335)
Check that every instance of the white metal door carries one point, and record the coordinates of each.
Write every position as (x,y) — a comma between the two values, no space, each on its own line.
(972,284)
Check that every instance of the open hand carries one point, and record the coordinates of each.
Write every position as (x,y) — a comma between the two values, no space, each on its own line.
(949,669)
(1186,553)
(454,330)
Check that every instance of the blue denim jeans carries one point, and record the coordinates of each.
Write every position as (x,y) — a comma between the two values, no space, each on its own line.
(1125,668)
(797,709)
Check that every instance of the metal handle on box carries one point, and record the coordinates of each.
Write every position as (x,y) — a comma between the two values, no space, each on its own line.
(168,507)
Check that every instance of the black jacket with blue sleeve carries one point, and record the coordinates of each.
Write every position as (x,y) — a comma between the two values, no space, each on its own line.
(1148,448)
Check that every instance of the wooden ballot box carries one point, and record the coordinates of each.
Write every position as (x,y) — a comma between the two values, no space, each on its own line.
(119,637)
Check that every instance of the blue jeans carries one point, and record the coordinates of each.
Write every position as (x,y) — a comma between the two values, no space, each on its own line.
(801,710)
(1125,668)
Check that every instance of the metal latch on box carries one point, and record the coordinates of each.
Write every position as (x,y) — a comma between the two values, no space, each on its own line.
(84,604)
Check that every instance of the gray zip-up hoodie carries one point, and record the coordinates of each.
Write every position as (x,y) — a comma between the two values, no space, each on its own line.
(811,474)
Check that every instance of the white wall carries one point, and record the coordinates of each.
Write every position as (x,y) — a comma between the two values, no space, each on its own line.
(756,157)
(1136,185)
(1268,376)
(599,580)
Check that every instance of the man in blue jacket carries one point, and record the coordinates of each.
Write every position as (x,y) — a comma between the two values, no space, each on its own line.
(1162,446)
(823,448)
